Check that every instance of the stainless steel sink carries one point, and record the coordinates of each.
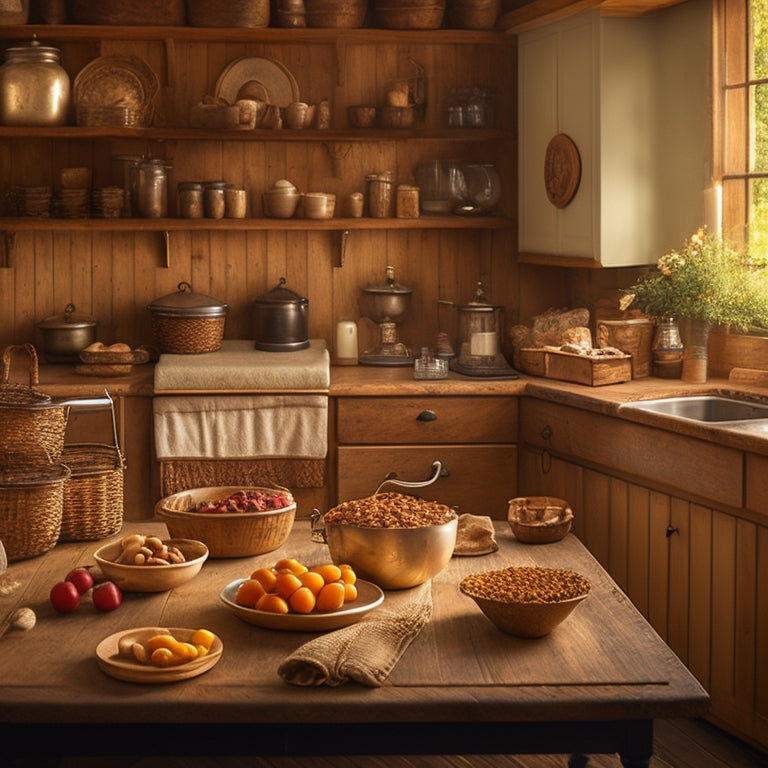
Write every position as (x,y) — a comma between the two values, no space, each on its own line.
(703,408)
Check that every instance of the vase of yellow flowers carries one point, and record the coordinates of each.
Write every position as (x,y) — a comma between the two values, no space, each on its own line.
(707,283)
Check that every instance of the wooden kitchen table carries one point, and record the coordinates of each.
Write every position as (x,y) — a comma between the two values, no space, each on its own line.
(594,685)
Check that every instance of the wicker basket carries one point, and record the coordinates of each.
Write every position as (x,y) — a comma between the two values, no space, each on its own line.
(188,335)
(140,13)
(336,14)
(228,13)
(31,427)
(93,494)
(409,14)
(31,504)
(473,14)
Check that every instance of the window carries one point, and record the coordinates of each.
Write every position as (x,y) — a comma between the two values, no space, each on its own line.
(741,119)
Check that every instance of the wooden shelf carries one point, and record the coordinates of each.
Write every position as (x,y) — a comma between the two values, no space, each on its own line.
(363,36)
(41,224)
(70,133)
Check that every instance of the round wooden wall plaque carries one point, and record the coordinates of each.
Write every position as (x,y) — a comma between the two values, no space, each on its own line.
(562,170)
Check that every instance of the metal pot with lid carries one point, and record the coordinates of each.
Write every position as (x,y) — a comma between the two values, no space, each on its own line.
(186,322)
(281,320)
(65,336)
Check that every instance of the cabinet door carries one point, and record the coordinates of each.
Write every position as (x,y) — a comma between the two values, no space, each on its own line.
(481,478)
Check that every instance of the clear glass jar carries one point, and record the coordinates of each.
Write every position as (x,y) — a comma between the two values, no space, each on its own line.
(667,348)
(34,87)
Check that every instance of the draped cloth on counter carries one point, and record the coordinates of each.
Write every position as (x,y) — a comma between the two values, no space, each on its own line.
(365,652)
(242,413)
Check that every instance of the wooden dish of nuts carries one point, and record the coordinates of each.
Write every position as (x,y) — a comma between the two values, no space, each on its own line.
(539,519)
(138,563)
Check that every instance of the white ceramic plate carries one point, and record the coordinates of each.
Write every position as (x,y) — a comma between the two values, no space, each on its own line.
(369,596)
(121,667)
(257,78)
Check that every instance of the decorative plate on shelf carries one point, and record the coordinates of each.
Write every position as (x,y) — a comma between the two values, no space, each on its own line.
(116,663)
(117,81)
(369,596)
(562,170)
(258,78)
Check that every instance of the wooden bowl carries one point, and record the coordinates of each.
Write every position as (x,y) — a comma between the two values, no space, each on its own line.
(237,534)
(319,205)
(526,601)
(279,204)
(152,578)
(539,519)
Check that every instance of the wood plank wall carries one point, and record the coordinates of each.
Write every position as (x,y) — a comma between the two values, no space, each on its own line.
(114,275)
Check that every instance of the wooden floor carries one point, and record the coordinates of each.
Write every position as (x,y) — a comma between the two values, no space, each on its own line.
(678,744)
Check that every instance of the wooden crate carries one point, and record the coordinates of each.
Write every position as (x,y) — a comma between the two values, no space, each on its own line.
(564,366)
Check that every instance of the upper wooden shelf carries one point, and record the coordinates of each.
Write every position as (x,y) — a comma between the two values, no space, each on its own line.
(363,36)
(283,134)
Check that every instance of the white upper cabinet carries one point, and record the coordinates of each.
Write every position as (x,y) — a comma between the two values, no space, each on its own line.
(634,97)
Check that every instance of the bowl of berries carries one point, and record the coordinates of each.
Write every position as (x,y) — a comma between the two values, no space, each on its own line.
(232,521)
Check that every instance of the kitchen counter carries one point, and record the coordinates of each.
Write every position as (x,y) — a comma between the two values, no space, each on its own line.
(594,684)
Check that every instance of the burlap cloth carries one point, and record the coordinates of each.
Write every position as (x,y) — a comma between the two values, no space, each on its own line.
(365,652)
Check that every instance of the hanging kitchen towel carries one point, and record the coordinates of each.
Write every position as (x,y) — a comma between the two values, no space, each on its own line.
(365,652)
(241,426)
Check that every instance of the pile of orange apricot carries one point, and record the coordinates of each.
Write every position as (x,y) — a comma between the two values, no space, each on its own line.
(291,587)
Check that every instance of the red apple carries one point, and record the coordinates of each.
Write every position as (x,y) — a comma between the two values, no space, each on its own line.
(81,578)
(107,596)
(65,597)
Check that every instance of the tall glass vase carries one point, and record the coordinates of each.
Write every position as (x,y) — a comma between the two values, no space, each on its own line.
(694,334)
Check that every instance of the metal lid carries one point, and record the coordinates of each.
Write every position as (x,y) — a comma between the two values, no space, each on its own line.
(481,303)
(68,320)
(33,50)
(280,296)
(390,286)
(186,303)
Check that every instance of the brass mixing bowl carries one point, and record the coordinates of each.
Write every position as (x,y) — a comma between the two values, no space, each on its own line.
(393,558)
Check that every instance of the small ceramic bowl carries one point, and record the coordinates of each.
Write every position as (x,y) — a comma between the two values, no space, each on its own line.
(539,519)
(319,205)
(152,578)
(280,204)
(526,601)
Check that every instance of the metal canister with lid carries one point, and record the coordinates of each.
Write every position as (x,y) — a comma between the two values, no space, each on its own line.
(34,88)
(152,189)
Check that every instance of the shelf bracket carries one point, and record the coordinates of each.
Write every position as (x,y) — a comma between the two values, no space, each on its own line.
(340,247)
(338,151)
(167,243)
(170,62)
(6,248)
(341,61)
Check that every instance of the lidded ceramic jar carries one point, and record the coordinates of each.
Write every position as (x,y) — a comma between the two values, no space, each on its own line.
(34,88)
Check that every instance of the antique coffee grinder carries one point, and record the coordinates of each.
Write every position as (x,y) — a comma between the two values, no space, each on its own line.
(386,305)
(480,330)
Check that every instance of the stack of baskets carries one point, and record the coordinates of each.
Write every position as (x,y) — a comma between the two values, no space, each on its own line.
(50,491)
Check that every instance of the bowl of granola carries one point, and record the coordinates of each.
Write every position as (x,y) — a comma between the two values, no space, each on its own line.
(392,539)
(526,601)
(233,521)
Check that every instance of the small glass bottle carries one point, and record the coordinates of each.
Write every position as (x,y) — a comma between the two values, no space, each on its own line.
(667,349)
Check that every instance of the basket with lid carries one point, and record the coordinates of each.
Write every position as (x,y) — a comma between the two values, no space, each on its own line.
(32,425)
(188,323)
(93,494)
(31,503)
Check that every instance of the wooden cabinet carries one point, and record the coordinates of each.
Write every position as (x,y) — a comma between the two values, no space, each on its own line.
(474,438)
(618,88)
(680,547)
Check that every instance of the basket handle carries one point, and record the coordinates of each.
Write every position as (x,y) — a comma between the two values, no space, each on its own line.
(34,369)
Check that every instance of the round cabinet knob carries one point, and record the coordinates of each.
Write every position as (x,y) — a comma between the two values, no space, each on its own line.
(427,416)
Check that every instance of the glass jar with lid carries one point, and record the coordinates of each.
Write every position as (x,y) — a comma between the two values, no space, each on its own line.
(34,87)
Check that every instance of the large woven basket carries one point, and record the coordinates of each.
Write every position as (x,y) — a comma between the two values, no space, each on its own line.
(93,494)
(31,427)
(228,13)
(158,13)
(409,14)
(336,14)
(31,504)
(188,335)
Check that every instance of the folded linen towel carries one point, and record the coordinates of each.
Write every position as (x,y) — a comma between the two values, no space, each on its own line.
(241,426)
(365,652)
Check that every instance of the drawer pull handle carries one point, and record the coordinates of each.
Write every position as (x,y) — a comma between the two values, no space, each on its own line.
(427,416)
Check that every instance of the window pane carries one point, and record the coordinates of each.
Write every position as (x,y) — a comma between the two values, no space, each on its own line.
(758,228)
(759,23)
(759,144)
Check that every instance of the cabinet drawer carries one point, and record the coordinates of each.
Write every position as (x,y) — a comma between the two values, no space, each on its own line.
(481,478)
(404,420)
